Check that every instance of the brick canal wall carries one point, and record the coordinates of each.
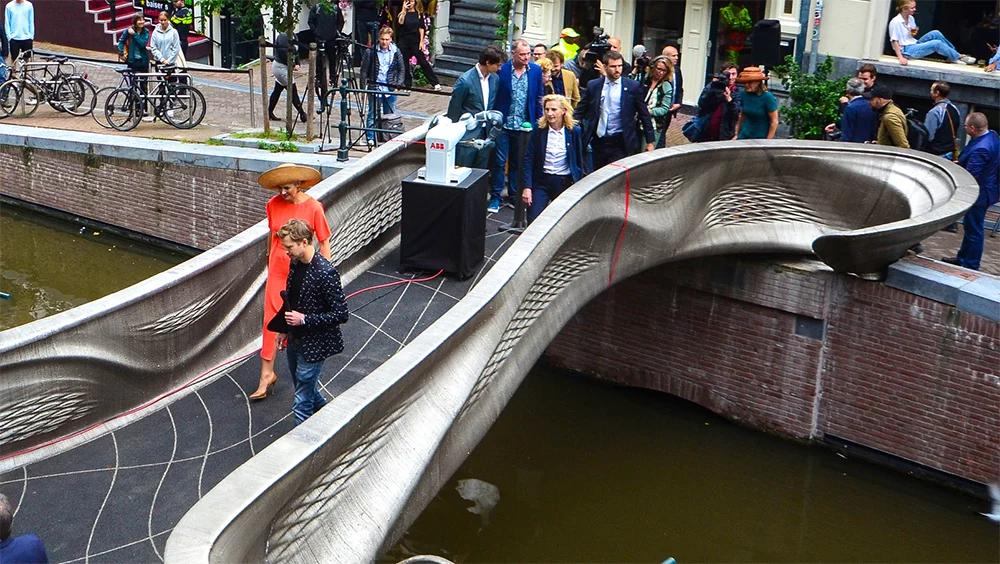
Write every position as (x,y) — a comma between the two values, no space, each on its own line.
(797,350)
(190,194)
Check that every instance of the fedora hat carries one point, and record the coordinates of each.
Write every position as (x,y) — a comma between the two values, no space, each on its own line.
(751,74)
(287,173)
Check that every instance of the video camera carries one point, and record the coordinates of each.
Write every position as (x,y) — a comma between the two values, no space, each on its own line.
(640,59)
(719,81)
(598,47)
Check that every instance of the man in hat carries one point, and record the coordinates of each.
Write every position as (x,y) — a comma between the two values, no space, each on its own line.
(981,157)
(315,309)
(291,202)
(568,39)
(892,126)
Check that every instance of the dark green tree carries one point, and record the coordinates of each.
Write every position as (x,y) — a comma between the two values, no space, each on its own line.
(814,97)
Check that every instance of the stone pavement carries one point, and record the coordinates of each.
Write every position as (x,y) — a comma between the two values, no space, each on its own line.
(229,99)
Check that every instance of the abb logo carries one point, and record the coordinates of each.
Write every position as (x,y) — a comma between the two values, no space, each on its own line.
(437,146)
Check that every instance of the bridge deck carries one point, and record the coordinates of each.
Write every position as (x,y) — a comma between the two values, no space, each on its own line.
(116,498)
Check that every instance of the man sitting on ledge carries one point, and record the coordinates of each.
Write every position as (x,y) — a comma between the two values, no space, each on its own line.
(903,36)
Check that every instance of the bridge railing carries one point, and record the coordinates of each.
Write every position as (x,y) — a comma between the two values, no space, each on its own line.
(349,481)
(67,378)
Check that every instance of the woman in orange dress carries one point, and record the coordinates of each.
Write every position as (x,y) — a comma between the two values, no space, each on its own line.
(290,181)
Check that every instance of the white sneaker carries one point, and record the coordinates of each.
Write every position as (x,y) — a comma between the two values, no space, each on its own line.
(148,119)
(437,87)
(967,59)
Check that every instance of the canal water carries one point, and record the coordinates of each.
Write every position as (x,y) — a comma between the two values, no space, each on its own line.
(579,470)
(48,265)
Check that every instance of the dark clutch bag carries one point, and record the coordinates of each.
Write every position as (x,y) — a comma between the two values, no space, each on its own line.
(277,323)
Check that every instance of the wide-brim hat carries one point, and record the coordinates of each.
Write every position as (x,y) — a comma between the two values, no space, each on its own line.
(568,32)
(286,173)
(751,74)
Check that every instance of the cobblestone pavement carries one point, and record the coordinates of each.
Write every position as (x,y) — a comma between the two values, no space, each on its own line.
(229,101)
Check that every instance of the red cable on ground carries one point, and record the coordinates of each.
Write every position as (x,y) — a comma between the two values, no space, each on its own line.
(396,283)
(621,232)
(194,380)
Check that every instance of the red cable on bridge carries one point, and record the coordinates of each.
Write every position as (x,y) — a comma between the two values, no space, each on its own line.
(616,254)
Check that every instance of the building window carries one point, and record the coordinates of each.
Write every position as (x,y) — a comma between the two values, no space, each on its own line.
(789,8)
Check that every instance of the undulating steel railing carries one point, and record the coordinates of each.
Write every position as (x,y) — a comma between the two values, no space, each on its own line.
(67,378)
(344,485)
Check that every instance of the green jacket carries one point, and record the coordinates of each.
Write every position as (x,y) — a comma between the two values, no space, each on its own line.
(892,127)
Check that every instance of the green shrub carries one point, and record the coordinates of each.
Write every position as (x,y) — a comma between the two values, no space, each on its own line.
(814,97)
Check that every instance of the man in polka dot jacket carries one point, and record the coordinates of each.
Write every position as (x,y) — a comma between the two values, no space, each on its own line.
(315,308)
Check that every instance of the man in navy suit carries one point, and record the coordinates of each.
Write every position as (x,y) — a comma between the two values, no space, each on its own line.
(25,548)
(609,109)
(476,90)
(981,157)
(519,99)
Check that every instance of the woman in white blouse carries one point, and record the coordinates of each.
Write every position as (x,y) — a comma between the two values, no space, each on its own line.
(554,157)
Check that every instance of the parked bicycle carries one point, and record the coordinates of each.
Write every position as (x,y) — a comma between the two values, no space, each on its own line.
(53,80)
(157,95)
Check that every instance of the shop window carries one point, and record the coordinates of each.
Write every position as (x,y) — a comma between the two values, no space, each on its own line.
(658,23)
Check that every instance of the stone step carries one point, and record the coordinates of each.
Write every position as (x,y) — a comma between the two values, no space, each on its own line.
(486,28)
(462,50)
(453,63)
(471,38)
(476,6)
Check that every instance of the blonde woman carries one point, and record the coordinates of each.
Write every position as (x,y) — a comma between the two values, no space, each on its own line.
(554,157)
(546,65)
(660,96)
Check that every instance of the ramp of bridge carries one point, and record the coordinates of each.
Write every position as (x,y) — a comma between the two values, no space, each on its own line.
(349,481)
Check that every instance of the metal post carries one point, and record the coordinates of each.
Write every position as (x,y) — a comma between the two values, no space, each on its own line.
(311,94)
(253,113)
(262,43)
(342,151)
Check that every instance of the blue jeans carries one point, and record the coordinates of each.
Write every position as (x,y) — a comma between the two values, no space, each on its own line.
(388,107)
(308,399)
(547,188)
(508,141)
(930,43)
(971,250)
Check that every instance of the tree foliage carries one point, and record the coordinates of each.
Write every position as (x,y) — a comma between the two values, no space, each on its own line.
(814,97)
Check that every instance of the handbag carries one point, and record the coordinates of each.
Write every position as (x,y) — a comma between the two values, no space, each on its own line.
(393,122)
(694,128)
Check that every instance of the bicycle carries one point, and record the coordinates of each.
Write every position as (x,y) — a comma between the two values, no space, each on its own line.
(32,82)
(176,103)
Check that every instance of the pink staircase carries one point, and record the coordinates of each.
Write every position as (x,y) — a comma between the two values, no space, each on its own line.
(101,11)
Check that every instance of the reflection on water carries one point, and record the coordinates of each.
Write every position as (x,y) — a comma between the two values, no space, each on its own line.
(49,265)
(591,472)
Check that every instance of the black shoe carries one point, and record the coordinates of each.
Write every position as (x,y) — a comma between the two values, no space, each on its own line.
(273,117)
(302,117)
(320,108)
(951,260)
(917,249)
(953,228)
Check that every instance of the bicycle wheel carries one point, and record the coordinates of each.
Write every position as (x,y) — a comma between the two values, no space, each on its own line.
(18,98)
(99,103)
(78,95)
(183,106)
(123,109)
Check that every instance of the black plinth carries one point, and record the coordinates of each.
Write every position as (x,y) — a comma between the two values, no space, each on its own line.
(444,226)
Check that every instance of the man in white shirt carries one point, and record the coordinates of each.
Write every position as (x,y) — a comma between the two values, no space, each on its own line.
(19,24)
(903,35)
(476,89)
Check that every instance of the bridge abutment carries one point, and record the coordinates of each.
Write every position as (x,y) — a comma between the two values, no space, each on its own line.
(798,350)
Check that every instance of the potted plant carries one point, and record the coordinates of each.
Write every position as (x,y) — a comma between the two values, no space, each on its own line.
(736,24)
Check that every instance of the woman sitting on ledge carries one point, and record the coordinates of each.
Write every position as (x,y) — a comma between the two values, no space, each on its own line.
(903,36)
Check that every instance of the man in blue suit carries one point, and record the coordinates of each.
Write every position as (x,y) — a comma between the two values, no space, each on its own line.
(476,90)
(519,99)
(22,549)
(981,157)
(609,110)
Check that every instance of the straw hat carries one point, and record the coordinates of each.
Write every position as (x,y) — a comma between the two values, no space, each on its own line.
(287,173)
(751,74)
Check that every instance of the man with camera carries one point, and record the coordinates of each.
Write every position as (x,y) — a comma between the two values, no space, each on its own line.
(326,22)
(609,110)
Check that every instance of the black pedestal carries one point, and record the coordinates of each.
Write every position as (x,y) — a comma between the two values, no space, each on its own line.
(444,226)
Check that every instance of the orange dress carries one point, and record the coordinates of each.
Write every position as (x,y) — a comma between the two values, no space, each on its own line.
(279,212)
